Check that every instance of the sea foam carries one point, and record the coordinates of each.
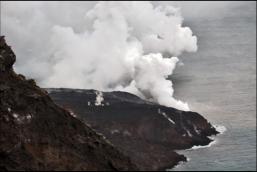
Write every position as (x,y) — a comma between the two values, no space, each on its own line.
(220,128)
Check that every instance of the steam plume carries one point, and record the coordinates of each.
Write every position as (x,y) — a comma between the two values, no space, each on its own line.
(105,46)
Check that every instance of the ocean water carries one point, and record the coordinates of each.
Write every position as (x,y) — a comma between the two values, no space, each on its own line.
(219,82)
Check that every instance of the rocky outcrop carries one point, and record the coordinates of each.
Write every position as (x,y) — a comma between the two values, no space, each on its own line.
(149,133)
(7,57)
(36,134)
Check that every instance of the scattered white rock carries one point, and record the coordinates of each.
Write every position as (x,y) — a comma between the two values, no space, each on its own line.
(15,115)
(29,116)
(22,119)
(189,134)
(72,113)
(165,115)
(115,131)
(196,130)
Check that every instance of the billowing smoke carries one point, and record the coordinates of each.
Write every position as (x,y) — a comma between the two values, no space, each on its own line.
(128,46)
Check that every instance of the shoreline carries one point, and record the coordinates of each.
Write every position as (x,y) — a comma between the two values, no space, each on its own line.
(109,118)
(220,128)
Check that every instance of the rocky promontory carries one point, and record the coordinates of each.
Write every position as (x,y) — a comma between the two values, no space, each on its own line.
(147,132)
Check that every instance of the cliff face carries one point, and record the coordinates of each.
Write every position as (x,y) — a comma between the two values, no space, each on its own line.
(36,134)
(147,132)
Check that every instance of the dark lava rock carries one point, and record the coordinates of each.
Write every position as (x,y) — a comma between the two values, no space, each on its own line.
(36,134)
(7,57)
(149,133)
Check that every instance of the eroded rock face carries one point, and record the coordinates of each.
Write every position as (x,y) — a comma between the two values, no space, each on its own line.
(147,132)
(7,57)
(36,134)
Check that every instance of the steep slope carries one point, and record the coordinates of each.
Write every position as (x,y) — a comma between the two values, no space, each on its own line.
(36,134)
(149,133)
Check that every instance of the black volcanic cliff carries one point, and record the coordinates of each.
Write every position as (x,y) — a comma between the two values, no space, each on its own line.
(149,133)
(36,134)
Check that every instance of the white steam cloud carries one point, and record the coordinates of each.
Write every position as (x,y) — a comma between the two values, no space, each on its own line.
(105,46)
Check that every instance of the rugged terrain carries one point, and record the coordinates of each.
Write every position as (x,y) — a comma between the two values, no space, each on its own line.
(36,134)
(149,133)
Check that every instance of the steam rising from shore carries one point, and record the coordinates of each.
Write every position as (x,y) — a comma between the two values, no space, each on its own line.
(105,46)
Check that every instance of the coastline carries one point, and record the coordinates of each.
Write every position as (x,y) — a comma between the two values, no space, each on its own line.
(220,128)
(189,128)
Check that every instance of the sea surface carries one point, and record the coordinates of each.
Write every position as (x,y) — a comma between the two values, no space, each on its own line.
(219,82)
